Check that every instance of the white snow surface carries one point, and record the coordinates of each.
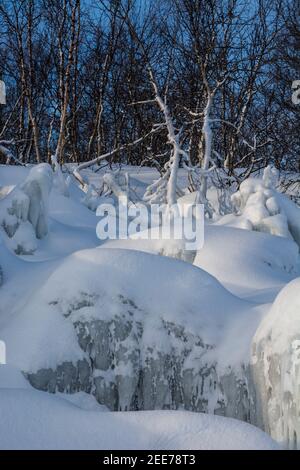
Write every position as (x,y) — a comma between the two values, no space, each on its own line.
(276,364)
(224,296)
(163,288)
(37,420)
(282,323)
(250,264)
(261,207)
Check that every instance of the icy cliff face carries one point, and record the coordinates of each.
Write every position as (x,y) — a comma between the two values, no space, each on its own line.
(177,340)
(276,367)
(24,210)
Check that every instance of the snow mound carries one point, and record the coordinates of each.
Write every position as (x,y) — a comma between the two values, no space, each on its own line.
(282,324)
(247,262)
(36,420)
(139,332)
(260,207)
(11,377)
(172,248)
(92,284)
(276,360)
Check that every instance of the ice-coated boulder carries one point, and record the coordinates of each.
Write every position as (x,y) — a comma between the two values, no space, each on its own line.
(276,367)
(138,331)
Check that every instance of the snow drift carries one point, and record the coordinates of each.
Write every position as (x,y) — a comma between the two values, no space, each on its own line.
(36,420)
(249,264)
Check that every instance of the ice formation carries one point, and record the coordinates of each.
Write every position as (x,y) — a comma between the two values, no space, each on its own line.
(24,210)
(34,420)
(59,181)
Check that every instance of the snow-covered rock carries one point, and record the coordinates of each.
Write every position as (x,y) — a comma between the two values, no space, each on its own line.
(147,243)
(168,338)
(12,378)
(276,366)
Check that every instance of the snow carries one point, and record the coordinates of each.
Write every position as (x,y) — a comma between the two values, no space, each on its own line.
(36,420)
(11,378)
(276,365)
(172,248)
(222,296)
(261,207)
(24,210)
(282,323)
(250,264)
(24,240)
(59,180)
(182,294)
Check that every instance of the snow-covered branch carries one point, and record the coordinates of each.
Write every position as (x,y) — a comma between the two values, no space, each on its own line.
(7,153)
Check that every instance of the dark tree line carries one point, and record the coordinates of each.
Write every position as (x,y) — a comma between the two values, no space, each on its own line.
(78,81)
